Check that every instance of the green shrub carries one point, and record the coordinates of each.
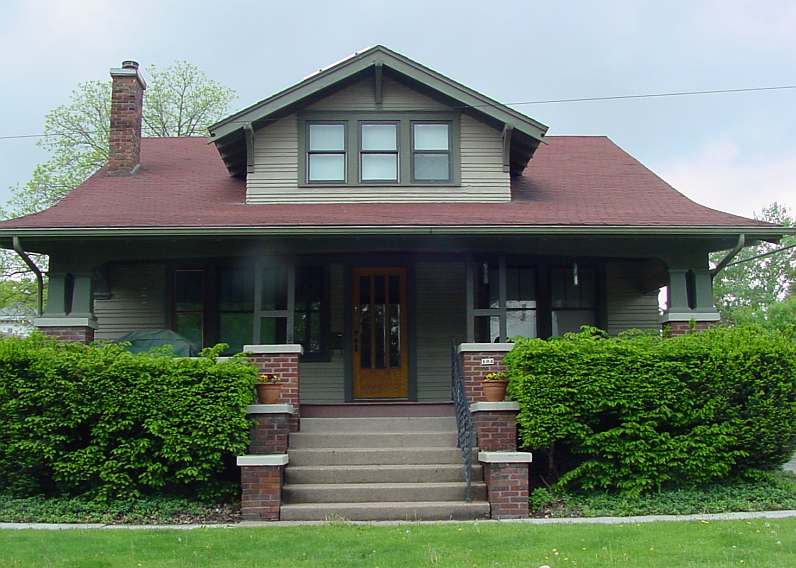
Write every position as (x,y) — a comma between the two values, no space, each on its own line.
(638,413)
(77,418)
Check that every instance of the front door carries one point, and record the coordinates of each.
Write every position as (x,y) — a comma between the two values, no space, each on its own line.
(379,333)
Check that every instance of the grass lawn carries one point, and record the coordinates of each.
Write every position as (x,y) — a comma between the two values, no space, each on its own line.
(727,543)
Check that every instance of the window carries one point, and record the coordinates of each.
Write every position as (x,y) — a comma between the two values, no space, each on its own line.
(189,291)
(235,307)
(520,302)
(378,152)
(363,148)
(431,151)
(272,309)
(502,310)
(310,320)
(573,291)
(326,155)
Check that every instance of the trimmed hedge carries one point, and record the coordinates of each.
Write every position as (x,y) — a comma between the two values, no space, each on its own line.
(97,419)
(639,413)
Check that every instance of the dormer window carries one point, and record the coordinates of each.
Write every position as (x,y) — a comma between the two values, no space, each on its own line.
(378,149)
(326,153)
(378,152)
(431,158)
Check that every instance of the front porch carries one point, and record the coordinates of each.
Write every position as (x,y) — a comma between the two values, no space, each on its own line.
(375,318)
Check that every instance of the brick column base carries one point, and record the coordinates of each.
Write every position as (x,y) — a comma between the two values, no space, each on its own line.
(496,425)
(675,328)
(81,334)
(506,477)
(271,430)
(282,361)
(261,491)
(478,359)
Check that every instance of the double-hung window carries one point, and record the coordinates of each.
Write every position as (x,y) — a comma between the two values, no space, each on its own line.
(431,153)
(378,153)
(326,152)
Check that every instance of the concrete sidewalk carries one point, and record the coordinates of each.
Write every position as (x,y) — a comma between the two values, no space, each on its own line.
(531,521)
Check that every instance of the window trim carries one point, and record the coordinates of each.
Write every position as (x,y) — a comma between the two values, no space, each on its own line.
(447,152)
(353,167)
(361,152)
(308,152)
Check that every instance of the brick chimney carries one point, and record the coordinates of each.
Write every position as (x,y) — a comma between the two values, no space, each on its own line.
(127,101)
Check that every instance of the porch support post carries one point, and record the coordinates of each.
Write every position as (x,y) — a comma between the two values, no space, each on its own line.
(69,315)
(282,361)
(506,477)
(690,302)
(261,480)
(478,359)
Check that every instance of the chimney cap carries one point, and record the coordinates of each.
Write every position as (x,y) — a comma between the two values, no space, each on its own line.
(129,64)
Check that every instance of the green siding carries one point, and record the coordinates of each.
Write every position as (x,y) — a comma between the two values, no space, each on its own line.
(627,306)
(138,297)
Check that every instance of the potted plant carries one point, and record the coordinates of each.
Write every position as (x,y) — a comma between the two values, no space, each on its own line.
(494,385)
(268,388)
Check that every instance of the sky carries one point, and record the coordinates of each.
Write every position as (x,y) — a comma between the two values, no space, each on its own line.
(735,152)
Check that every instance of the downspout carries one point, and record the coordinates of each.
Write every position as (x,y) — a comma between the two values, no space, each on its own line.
(730,255)
(32,265)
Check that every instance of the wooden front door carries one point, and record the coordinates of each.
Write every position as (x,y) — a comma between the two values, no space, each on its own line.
(380,345)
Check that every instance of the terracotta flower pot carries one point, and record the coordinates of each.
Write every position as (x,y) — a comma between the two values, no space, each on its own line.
(494,391)
(268,393)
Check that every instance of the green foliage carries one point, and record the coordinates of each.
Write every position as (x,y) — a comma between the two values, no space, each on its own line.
(635,414)
(772,491)
(754,285)
(98,419)
(90,509)
(779,317)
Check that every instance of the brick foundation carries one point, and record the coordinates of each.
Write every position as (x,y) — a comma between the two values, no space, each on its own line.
(507,489)
(261,492)
(675,328)
(473,371)
(496,430)
(80,334)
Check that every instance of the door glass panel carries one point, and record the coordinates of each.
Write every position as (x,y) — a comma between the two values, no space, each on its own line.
(487,329)
(273,331)
(394,320)
(365,343)
(379,327)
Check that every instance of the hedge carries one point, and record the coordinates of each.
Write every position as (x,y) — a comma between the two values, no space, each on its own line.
(640,413)
(78,419)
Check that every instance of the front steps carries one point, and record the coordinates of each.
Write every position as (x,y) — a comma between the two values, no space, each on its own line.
(381,467)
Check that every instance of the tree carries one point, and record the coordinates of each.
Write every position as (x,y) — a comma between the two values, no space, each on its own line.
(180,100)
(755,285)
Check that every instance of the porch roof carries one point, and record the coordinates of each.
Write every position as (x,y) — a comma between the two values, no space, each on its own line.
(574,184)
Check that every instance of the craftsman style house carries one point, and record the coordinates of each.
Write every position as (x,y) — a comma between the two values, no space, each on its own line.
(371,214)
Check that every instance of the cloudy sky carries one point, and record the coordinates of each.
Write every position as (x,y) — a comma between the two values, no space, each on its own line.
(735,152)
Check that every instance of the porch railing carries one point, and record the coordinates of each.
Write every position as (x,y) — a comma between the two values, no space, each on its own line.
(464,420)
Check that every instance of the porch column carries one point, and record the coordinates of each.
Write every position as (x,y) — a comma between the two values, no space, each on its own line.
(69,314)
(282,361)
(690,302)
(478,359)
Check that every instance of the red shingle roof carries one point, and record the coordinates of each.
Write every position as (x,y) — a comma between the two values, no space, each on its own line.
(573,180)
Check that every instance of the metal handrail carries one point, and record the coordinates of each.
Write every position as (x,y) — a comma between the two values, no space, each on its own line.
(464,420)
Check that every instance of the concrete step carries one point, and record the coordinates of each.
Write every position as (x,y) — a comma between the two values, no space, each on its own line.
(374,408)
(376,456)
(386,511)
(379,424)
(302,440)
(372,492)
(379,473)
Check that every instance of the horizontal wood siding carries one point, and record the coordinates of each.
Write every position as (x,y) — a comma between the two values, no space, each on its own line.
(138,295)
(627,307)
(441,316)
(325,381)
(276,154)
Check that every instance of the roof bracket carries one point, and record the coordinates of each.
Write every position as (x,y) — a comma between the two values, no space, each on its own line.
(507,132)
(248,132)
(17,244)
(377,85)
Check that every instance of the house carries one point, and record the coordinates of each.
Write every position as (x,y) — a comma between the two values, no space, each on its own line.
(350,228)
(16,320)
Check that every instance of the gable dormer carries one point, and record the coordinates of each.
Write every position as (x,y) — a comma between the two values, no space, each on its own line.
(377,127)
